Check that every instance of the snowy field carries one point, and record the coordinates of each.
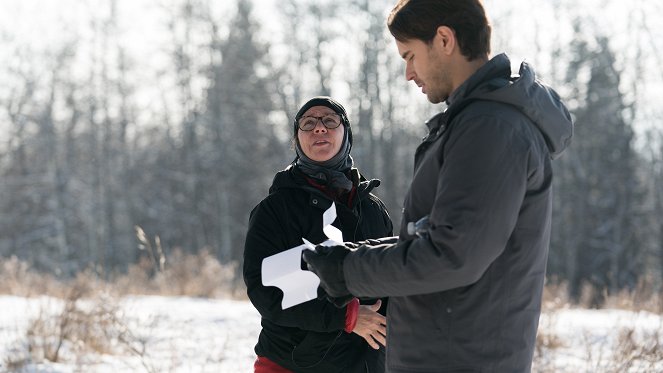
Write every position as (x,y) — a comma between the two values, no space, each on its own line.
(180,334)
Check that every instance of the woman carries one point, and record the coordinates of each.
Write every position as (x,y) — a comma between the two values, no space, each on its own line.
(316,336)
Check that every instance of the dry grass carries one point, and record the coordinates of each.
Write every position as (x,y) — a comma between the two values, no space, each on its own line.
(555,296)
(181,274)
(17,278)
(641,352)
(645,297)
(89,321)
(196,275)
(547,342)
(76,325)
(631,351)
(626,350)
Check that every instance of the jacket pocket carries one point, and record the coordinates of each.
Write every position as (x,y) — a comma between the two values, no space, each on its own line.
(423,321)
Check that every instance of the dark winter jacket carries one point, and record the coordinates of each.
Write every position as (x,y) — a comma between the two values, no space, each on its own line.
(465,295)
(309,334)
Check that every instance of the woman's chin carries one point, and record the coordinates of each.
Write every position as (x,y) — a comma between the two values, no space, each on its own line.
(321,158)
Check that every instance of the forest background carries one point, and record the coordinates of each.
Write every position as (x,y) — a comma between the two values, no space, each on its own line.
(134,124)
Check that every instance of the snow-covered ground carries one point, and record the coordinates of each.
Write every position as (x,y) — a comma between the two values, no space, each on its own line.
(181,334)
(170,334)
(581,340)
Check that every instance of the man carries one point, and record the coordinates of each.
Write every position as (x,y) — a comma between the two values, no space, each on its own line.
(466,273)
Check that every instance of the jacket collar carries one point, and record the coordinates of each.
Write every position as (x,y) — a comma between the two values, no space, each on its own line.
(293,178)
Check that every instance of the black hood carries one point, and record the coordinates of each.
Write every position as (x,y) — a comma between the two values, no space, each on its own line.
(540,103)
(325,101)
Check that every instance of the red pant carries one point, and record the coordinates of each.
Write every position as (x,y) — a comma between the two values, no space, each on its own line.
(264,365)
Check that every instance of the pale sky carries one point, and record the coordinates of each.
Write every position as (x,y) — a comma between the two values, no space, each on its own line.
(521,29)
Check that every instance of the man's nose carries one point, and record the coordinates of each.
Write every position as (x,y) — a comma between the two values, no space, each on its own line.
(409,72)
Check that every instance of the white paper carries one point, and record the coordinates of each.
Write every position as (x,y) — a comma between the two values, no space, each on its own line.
(334,234)
(283,270)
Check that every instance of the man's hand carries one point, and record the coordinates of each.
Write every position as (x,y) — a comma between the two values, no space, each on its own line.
(327,263)
(338,302)
(371,325)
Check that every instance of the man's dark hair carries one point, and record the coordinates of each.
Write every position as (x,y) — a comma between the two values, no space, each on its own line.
(419,19)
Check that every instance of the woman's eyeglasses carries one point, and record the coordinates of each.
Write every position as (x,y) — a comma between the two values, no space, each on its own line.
(308,123)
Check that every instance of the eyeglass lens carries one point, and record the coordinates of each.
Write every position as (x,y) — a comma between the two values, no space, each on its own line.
(330,121)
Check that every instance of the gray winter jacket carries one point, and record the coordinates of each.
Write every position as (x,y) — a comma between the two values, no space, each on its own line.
(466,295)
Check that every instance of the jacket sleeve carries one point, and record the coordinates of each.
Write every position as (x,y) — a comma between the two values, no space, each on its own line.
(480,187)
(265,237)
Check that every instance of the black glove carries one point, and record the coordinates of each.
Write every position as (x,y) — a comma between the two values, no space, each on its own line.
(338,302)
(327,263)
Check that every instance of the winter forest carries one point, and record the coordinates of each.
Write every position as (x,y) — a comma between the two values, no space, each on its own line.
(170,118)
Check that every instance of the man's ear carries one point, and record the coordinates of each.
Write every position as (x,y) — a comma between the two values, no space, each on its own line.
(445,37)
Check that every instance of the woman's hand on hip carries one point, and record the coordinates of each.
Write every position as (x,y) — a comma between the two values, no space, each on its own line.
(371,325)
